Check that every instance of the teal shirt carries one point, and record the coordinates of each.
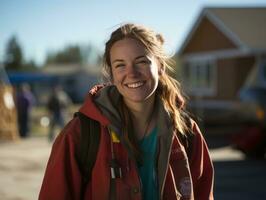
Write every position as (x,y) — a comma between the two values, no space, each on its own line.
(147,170)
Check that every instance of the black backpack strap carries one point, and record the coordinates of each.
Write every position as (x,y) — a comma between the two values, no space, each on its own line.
(89,144)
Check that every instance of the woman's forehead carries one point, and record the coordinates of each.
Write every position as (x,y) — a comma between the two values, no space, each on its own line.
(128,47)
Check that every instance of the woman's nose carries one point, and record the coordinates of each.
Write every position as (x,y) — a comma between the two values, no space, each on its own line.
(132,71)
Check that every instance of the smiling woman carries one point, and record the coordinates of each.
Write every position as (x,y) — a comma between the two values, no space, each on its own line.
(147,140)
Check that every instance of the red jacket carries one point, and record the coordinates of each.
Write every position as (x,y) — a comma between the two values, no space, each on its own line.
(178,178)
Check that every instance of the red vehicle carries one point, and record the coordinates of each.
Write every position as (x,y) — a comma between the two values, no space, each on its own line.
(252,139)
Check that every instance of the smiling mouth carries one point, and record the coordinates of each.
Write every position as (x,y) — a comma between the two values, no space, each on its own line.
(135,85)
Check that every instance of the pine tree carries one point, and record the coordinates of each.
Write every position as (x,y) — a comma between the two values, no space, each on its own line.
(13,59)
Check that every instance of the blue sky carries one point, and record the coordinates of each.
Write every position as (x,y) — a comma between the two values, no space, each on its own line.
(47,25)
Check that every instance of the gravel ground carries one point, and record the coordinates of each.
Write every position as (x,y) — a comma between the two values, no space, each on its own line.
(22,164)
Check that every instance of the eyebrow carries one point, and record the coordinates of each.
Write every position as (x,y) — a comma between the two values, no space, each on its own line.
(121,60)
(142,56)
(117,60)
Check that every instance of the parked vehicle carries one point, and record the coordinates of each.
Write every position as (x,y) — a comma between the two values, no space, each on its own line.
(251,140)
(256,96)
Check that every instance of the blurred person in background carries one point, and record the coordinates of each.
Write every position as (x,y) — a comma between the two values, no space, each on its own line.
(57,105)
(144,151)
(24,102)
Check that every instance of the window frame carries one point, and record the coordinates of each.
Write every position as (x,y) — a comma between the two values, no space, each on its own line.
(200,77)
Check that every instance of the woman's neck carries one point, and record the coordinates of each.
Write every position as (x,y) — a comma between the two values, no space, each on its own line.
(141,110)
(142,116)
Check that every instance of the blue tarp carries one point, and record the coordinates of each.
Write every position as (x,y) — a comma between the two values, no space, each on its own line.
(30,77)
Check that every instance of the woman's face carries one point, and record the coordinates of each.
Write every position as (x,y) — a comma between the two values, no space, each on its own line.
(135,71)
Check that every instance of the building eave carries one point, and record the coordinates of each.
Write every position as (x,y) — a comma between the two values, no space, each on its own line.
(206,12)
(223,54)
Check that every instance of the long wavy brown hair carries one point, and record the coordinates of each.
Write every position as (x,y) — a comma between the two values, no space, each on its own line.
(168,88)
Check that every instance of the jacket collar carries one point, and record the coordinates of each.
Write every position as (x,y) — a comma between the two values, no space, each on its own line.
(90,108)
(165,140)
(107,100)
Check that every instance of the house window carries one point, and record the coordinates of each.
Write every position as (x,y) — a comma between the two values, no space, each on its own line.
(200,78)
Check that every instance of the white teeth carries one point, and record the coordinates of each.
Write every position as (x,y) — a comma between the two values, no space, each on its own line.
(135,85)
